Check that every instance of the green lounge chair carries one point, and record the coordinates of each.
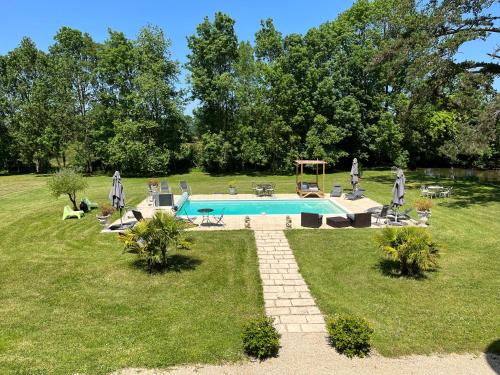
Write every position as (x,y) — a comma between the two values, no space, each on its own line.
(68,212)
(89,204)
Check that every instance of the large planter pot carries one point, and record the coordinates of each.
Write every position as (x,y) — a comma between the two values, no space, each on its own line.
(104,220)
(423,216)
(233,191)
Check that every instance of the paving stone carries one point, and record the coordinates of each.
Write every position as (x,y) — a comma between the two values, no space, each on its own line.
(315,319)
(282,302)
(293,328)
(273,311)
(302,302)
(302,319)
(311,327)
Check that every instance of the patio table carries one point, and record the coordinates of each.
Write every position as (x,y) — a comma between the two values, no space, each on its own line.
(205,214)
(434,190)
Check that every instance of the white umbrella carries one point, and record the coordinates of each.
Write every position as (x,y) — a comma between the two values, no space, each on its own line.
(354,173)
(117,195)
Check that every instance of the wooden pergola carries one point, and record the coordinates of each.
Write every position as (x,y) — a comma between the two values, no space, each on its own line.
(306,189)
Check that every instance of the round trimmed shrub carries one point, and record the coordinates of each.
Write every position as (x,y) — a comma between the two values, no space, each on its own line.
(350,335)
(260,338)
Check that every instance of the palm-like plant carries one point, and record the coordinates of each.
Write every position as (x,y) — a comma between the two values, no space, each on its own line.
(413,249)
(152,239)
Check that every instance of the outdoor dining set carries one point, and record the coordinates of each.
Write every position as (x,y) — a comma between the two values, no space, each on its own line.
(435,191)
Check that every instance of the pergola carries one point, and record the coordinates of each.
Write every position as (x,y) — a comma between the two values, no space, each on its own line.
(305,189)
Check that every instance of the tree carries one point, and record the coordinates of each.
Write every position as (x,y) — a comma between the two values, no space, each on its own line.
(152,239)
(74,61)
(214,53)
(67,182)
(412,248)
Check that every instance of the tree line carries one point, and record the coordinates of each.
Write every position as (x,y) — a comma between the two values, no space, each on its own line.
(381,83)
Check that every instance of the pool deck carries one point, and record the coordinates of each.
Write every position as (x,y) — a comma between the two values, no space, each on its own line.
(257,222)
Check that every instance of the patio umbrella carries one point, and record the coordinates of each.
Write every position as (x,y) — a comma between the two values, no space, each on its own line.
(117,195)
(398,190)
(354,173)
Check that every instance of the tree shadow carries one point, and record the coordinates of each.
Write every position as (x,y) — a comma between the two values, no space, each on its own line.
(493,355)
(390,268)
(175,263)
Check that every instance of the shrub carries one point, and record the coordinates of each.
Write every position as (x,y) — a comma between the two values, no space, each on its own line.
(423,204)
(260,338)
(152,239)
(67,182)
(350,335)
(412,248)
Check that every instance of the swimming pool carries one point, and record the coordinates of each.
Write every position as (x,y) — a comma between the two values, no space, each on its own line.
(259,207)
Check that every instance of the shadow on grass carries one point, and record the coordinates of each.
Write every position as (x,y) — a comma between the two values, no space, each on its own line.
(175,263)
(390,268)
(493,355)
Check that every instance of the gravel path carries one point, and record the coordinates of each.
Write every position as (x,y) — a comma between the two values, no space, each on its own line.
(309,353)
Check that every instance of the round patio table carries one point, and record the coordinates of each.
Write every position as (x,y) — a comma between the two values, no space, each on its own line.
(205,214)
(434,190)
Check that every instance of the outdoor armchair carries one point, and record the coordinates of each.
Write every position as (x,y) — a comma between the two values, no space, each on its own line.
(311,220)
(68,212)
(360,220)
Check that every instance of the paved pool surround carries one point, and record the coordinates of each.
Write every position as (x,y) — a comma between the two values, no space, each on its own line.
(257,222)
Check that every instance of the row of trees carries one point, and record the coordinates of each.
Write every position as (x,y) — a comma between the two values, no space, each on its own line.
(109,105)
(381,82)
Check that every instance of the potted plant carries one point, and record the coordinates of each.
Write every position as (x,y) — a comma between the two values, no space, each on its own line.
(423,208)
(105,217)
(153,183)
(232,188)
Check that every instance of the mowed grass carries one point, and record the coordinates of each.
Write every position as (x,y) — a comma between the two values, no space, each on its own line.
(454,309)
(71,302)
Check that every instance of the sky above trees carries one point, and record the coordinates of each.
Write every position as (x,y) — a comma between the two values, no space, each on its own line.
(41,20)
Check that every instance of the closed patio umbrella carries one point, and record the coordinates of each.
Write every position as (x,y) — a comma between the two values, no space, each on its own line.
(398,190)
(117,195)
(354,173)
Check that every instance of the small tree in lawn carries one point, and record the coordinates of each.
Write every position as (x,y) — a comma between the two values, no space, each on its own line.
(412,248)
(152,239)
(67,182)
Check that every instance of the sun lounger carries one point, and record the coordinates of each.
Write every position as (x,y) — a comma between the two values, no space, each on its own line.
(185,188)
(89,204)
(381,215)
(68,212)
(164,187)
(336,191)
(358,194)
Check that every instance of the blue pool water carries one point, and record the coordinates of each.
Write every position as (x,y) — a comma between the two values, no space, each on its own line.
(259,207)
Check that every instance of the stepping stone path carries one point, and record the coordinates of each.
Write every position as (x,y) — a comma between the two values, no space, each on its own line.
(286,295)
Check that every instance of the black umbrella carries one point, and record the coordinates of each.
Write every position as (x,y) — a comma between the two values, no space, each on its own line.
(354,173)
(117,195)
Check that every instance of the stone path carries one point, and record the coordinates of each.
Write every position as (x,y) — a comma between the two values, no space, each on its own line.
(286,295)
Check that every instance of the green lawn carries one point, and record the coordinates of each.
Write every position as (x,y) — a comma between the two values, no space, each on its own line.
(71,302)
(455,309)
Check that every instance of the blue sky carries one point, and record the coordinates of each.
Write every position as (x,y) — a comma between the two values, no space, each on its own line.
(40,20)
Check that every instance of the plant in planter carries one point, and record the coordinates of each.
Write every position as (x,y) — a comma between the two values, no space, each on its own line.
(153,183)
(423,208)
(106,211)
(232,188)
